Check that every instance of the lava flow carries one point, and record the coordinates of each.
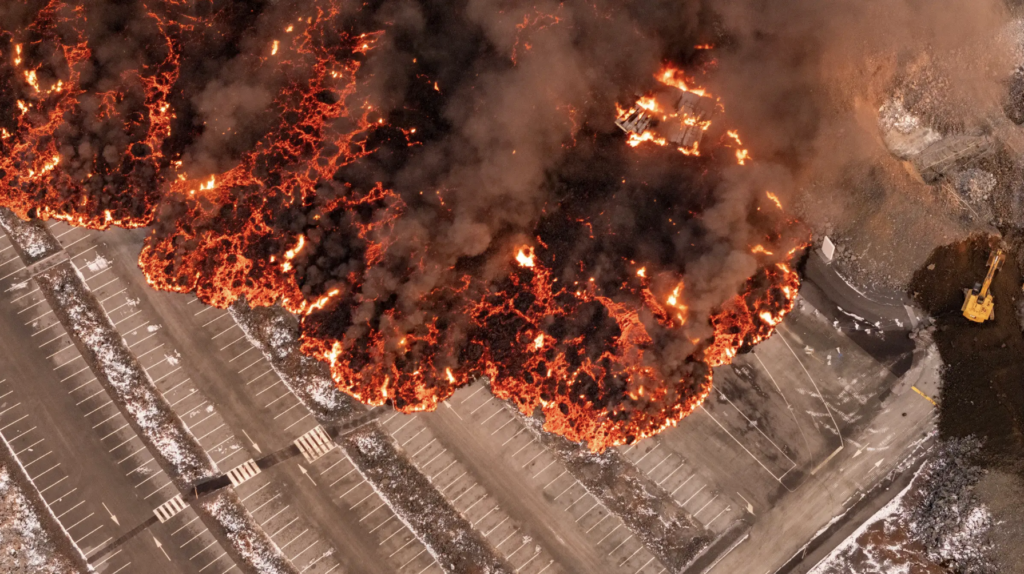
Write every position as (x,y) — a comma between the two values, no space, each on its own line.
(430,223)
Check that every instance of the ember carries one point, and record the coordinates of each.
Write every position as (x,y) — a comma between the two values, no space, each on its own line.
(420,248)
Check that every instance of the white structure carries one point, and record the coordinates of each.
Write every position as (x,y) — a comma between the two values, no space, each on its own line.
(828,250)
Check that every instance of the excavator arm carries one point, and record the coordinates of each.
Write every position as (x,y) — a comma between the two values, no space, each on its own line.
(995,262)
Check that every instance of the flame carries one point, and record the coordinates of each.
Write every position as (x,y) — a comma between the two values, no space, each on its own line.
(46,167)
(648,136)
(526,257)
(30,77)
(206,186)
(649,103)
(774,198)
(675,300)
(538,343)
(742,155)
(291,253)
(320,303)
(672,76)
(769,297)
(691,151)
(582,352)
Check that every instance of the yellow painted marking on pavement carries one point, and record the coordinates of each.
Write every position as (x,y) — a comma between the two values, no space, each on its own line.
(929,399)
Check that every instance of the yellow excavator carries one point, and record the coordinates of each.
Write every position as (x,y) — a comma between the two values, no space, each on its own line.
(978,304)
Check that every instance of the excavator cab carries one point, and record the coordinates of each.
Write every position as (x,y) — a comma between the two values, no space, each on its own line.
(978,304)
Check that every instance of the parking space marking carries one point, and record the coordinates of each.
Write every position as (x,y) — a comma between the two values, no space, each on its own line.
(454,482)
(600,526)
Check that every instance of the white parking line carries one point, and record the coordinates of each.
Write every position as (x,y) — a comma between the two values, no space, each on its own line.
(62,514)
(705,411)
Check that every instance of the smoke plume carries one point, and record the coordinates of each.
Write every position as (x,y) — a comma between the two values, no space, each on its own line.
(805,81)
(439,189)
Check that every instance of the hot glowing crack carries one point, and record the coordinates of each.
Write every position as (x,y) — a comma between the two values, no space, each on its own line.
(587,357)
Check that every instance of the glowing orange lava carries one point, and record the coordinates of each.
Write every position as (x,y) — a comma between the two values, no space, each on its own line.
(281,226)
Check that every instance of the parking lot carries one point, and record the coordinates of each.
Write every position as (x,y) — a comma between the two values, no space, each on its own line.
(456,483)
(684,482)
(395,543)
(156,354)
(165,366)
(487,418)
(772,420)
(300,542)
(120,447)
(290,418)
(775,417)
(260,397)
(86,522)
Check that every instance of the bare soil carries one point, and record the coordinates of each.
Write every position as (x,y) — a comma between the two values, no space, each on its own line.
(983,381)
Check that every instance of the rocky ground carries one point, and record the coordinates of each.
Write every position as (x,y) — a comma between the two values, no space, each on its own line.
(936,524)
(898,233)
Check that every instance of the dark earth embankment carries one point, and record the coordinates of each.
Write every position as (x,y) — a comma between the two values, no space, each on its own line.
(983,380)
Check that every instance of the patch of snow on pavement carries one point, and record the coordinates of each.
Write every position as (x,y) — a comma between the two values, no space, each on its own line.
(252,545)
(24,545)
(833,562)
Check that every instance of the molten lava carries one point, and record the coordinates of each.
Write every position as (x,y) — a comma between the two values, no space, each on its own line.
(296,221)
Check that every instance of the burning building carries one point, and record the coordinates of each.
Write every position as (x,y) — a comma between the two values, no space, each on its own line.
(673,115)
(433,211)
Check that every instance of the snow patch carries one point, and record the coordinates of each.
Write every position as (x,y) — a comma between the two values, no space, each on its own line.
(832,562)
(130,383)
(246,537)
(98,264)
(25,546)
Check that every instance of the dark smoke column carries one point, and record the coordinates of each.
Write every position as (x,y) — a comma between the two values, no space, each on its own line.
(437,192)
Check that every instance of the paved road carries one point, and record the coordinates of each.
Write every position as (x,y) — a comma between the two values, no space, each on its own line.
(879,324)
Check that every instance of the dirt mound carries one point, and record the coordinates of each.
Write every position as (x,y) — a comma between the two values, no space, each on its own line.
(983,382)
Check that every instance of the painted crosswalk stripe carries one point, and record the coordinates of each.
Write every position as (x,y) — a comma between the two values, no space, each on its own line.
(314,444)
(169,509)
(243,472)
